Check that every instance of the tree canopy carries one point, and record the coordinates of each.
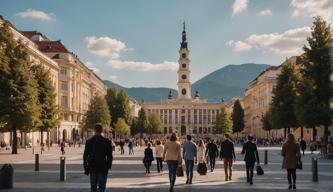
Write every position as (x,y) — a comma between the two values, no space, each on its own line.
(237,117)
(223,123)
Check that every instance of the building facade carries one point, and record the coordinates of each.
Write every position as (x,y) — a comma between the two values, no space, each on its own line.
(74,83)
(185,114)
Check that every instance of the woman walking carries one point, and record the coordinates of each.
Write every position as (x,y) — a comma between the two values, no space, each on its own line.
(291,154)
(172,155)
(201,152)
(148,158)
(159,155)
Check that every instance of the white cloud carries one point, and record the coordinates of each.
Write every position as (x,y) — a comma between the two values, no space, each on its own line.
(105,46)
(143,66)
(265,12)
(95,69)
(113,77)
(36,14)
(238,45)
(239,6)
(311,8)
(287,43)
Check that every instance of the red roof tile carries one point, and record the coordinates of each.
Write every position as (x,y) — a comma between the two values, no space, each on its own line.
(51,46)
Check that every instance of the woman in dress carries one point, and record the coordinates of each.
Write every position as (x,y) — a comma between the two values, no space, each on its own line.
(201,152)
(148,158)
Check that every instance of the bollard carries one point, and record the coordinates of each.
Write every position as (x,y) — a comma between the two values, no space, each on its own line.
(37,162)
(62,168)
(266,157)
(314,170)
(6,177)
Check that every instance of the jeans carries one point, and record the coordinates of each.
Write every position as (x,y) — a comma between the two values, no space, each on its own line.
(159,164)
(122,151)
(189,169)
(98,179)
(172,166)
(249,170)
(291,174)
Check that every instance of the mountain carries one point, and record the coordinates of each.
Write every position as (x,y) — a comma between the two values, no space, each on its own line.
(144,93)
(224,83)
(227,82)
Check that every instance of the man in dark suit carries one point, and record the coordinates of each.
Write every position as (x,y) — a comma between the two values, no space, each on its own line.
(228,155)
(251,156)
(212,151)
(97,159)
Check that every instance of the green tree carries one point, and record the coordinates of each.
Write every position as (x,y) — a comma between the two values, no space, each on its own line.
(49,115)
(316,69)
(98,112)
(155,124)
(18,89)
(237,117)
(284,95)
(118,102)
(143,121)
(122,128)
(266,121)
(223,123)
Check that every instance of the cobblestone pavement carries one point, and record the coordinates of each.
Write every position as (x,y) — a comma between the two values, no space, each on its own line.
(127,174)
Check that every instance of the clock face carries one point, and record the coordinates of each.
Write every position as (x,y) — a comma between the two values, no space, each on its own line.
(184,77)
(184,65)
(184,91)
(184,55)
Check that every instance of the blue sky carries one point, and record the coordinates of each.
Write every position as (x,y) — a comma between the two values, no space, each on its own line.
(136,43)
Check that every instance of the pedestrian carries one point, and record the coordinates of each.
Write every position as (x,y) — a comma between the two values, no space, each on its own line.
(130,148)
(291,154)
(159,155)
(303,145)
(172,155)
(121,144)
(228,155)
(62,147)
(148,158)
(189,154)
(251,156)
(212,151)
(97,159)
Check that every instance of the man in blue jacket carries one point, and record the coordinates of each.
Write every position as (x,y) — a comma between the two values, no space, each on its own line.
(189,154)
(97,159)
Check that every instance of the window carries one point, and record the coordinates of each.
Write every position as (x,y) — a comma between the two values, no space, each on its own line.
(63,70)
(184,91)
(64,85)
(183,55)
(184,65)
(64,101)
(183,77)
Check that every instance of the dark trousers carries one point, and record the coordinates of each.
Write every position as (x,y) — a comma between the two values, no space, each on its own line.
(212,161)
(291,174)
(98,179)
(249,170)
(159,164)
(189,169)
(172,166)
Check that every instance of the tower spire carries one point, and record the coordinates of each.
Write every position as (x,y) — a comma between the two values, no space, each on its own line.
(183,44)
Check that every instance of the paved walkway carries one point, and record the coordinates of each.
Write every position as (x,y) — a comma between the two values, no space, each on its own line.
(127,174)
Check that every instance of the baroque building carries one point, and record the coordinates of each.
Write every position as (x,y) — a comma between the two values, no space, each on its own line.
(185,114)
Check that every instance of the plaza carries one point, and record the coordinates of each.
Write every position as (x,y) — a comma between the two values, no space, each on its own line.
(127,174)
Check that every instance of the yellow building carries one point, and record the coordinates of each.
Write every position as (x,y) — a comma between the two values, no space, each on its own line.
(185,115)
(75,84)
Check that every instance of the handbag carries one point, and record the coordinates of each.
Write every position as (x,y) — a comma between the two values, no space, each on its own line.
(259,170)
(180,171)
(299,164)
(202,168)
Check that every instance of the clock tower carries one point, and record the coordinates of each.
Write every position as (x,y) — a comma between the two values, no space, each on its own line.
(184,84)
